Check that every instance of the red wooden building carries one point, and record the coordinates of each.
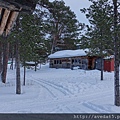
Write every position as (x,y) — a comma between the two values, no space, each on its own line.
(109,64)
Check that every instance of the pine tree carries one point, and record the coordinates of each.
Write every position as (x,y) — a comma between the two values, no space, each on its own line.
(33,38)
(99,33)
(61,25)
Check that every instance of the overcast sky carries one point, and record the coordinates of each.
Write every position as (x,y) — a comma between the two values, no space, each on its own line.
(75,6)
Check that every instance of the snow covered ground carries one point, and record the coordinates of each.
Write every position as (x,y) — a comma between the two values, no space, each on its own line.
(50,90)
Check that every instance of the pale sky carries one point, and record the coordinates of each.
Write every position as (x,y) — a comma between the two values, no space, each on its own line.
(75,6)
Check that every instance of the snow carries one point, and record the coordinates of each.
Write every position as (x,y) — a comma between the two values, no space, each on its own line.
(50,90)
(109,57)
(68,53)
(31,62)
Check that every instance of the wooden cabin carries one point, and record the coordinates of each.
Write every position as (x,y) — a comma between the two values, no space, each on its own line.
(79,58)
(71,59)
(9,10)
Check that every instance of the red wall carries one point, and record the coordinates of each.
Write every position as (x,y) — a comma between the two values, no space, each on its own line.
(109,65)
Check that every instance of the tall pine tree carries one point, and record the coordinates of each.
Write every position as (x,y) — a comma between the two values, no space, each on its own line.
(99,33)
(62,27)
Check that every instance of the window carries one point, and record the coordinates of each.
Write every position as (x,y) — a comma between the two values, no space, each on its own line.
(57,62)
(75,60)
(72,61)
(54,61)
(84,64)
(79,61)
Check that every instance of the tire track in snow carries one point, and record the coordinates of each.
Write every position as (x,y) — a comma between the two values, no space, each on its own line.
(88,104)
(96,108)
(45,88)
(59,88)
(60,105)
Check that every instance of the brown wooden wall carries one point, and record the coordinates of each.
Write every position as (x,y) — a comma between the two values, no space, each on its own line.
(71,62)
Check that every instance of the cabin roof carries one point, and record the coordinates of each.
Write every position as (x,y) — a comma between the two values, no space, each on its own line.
(9,10)
(109,57)
(68,53)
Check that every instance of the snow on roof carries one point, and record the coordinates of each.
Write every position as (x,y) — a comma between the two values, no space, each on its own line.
(109,57)
(68,53)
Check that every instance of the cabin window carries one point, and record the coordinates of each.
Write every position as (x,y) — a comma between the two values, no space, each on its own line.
(84,63)
(72,61)
(57,62)
(54,61)
(75,60)
(60,62)
(79,60)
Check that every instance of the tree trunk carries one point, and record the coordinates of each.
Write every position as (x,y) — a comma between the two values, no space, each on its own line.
(101,68)
(116,55)
(35,66)
(54,44)
(101,53)
(12,59)
(24,74)
(5,60)
(18,83)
